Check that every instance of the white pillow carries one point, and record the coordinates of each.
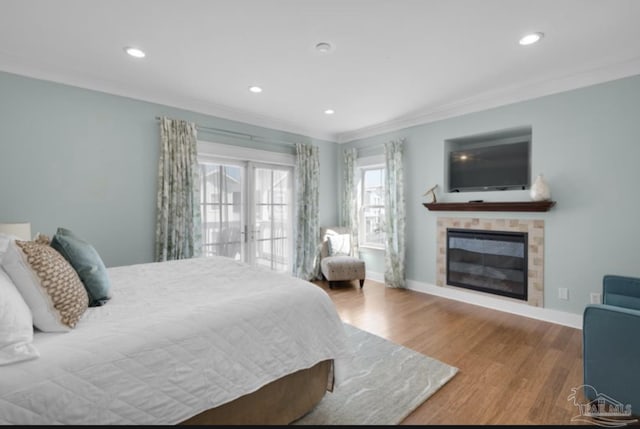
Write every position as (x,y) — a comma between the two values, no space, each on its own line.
(339,244)
(48,283)
(16,325)
(4,243)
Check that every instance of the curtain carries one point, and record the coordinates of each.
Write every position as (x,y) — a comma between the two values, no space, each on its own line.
(349,213)
(308,204)
(394,212)
(178,228)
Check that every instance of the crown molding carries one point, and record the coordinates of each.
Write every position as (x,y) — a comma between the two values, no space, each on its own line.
(500,97)
(195,105)
(487,100)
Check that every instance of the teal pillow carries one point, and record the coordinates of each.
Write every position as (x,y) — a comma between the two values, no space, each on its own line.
(87,262)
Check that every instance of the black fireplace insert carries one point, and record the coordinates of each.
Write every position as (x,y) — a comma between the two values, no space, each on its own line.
(488,261)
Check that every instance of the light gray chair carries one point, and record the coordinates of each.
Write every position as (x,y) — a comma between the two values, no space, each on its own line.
(336,260)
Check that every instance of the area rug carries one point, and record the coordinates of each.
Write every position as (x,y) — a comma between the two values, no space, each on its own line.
(385,383)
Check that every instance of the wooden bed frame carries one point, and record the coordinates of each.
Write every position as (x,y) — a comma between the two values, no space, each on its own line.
(277,403)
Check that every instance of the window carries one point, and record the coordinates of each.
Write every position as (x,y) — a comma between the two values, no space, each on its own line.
(371,226)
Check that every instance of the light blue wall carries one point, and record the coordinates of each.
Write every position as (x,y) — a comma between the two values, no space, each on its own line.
(87,160)
(586,142)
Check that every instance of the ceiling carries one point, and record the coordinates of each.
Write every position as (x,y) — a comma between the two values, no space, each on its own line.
(394,63)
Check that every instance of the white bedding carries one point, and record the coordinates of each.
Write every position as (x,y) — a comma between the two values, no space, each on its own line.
(177,338)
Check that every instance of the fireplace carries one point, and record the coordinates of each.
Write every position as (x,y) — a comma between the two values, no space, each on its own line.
(488,261)
(534,230)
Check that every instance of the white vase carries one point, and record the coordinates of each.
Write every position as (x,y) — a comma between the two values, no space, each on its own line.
(540,189)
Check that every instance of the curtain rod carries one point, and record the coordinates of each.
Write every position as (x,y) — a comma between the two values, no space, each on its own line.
(222,131)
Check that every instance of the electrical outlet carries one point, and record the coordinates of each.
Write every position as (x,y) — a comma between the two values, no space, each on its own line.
(595,298)
(563,293)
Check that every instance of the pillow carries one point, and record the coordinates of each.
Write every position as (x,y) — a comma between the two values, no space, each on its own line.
(4,243)
(16,324)
(42,239)
(48,283)
(84,258)
(339,244)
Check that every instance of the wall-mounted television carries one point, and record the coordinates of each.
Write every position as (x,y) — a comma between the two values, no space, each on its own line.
(490,167)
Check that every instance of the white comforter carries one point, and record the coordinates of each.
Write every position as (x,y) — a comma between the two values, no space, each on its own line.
(176,339)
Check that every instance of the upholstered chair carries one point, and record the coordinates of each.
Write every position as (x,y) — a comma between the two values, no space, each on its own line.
(337,261)
(611,351)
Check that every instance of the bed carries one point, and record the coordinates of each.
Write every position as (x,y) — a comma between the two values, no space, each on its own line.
(199,341)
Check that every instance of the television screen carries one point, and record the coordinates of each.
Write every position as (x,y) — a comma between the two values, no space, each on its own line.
(490,168)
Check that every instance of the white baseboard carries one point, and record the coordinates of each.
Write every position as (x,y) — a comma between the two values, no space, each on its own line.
(483,300)
(376,277)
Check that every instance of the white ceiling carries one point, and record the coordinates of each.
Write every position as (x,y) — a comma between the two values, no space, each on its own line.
(395,63)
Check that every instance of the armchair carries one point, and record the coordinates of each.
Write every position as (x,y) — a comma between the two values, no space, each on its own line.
(611,342)
(337,262)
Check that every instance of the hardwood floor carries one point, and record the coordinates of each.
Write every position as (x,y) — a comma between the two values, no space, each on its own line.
(512,369)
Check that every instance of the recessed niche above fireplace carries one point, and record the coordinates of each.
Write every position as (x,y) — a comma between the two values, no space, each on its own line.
(534,272)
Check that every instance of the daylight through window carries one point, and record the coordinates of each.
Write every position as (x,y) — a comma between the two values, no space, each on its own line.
(372,207)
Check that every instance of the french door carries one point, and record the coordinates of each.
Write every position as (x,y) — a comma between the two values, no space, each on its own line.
(246,210)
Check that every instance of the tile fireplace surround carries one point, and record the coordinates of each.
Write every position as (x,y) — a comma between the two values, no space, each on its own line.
(535,230)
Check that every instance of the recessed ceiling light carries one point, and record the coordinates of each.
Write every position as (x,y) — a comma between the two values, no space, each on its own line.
(135,52)
(532,38)
(329,112)
(324,47)
(255,89)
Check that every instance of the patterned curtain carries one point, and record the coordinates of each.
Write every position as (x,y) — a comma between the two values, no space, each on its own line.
(349,213)
(394,212)
(308,204)
(178,227)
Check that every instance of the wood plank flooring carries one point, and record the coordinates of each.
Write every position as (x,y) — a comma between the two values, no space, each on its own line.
(512,369)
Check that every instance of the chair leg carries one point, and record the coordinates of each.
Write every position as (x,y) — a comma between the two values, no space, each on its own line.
(361,283)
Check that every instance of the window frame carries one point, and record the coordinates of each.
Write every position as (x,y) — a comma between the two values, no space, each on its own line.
(364,165)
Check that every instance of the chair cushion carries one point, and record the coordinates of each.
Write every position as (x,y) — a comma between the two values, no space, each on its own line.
(342,268)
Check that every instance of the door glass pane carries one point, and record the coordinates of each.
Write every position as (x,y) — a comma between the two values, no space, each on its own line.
(211,189)
(263,186)
(222,211)
(273,195)
(210,223)
(281,187)
(281,255)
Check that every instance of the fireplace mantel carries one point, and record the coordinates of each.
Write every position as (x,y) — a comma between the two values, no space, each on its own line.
(497,206)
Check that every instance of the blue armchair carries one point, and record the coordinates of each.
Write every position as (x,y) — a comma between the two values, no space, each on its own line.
(611,342)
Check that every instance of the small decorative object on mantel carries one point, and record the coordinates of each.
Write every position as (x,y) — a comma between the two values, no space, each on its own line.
(540,189)
(432,192)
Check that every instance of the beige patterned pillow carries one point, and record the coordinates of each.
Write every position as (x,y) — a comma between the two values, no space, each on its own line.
(48,283)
